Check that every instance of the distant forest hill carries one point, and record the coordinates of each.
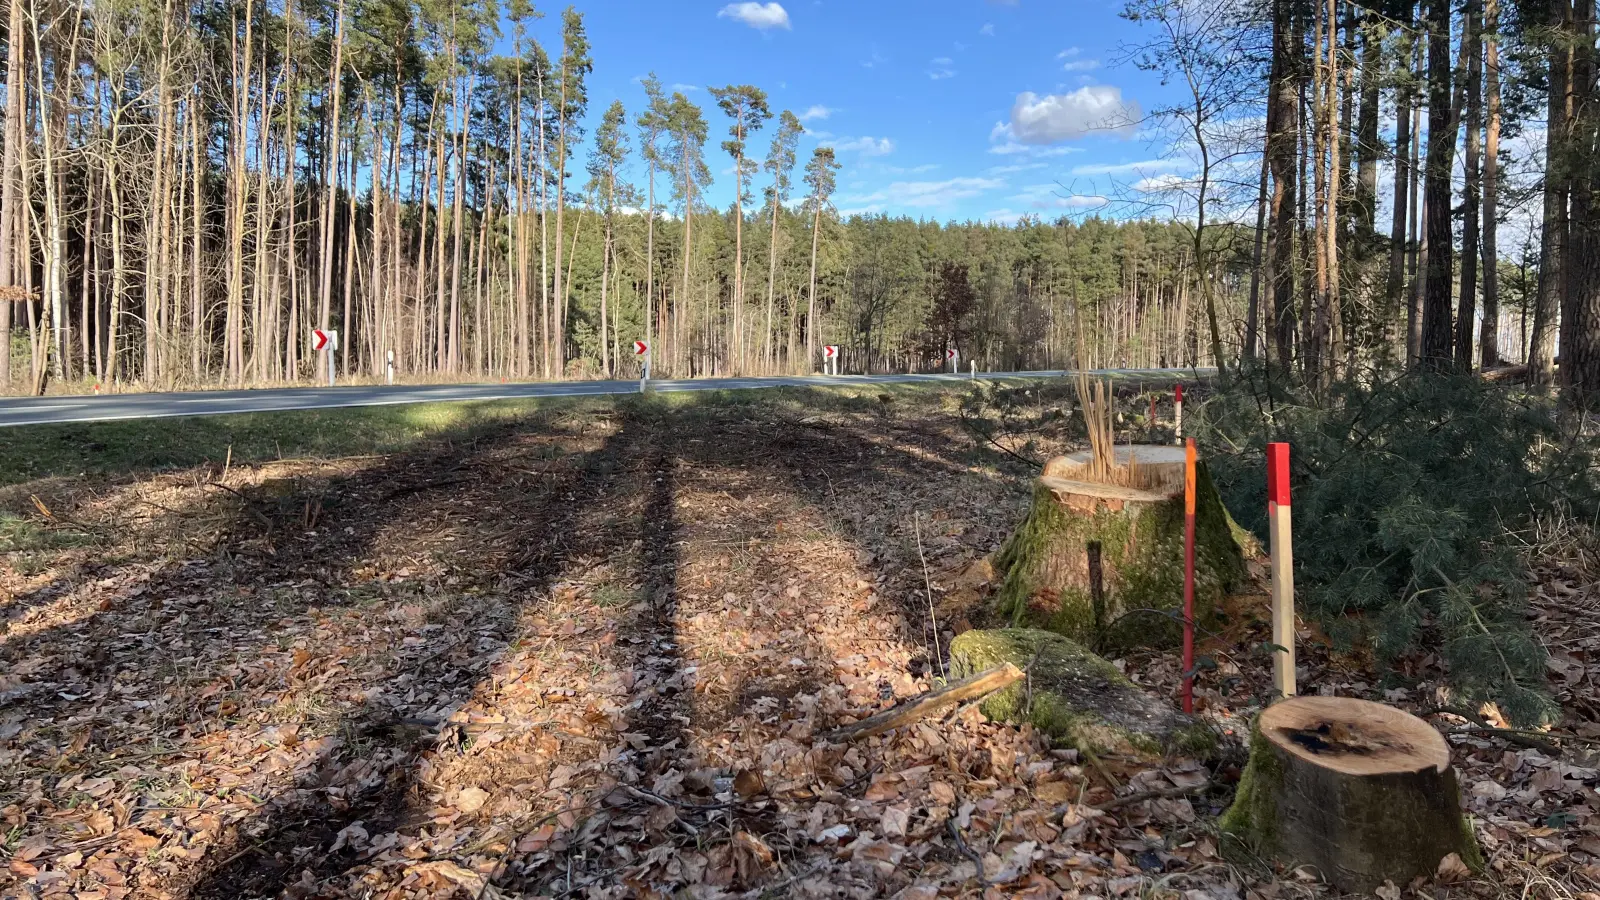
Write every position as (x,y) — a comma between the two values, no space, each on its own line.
(187,189)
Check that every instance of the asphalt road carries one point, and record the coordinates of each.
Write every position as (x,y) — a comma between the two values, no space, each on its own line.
(109,407)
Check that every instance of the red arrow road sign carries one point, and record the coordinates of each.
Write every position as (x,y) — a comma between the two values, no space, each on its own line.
(640,348)
(830,351)
(950,354)
(319,339)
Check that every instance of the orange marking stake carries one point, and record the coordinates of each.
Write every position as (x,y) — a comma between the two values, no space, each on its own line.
(1188,575)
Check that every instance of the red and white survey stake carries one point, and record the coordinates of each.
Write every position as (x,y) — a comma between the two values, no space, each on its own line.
(1282,569)
(1188,575)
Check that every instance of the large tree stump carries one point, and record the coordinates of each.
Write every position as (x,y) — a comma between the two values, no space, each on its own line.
(1139,529)
(1361,791)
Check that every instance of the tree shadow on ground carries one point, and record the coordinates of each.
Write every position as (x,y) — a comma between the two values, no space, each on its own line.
(492,524)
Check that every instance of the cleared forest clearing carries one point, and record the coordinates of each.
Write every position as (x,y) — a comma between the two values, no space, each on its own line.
(589,648)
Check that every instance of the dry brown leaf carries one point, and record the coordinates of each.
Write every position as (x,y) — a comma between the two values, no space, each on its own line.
(1452,870)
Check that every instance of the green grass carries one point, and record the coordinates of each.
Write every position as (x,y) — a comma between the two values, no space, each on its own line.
(107,448)
(153,445)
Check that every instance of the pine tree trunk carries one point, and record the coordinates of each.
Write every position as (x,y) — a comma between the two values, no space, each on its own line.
(1489,348)
(1282,105)
(1437,334)
(1553,237)
(1466,304)
(1394,288)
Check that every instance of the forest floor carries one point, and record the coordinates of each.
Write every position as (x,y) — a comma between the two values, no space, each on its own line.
(589,648)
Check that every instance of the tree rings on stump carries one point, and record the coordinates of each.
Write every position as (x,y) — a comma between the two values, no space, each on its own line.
(1136,518)
(1361,792)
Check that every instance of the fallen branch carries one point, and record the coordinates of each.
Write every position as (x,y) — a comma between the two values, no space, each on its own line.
(986,682)
(1163,794)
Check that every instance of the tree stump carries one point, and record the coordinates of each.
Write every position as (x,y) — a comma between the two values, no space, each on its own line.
(1139,527)
(1361,791)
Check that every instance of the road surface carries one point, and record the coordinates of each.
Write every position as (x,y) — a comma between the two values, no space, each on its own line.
(109,407)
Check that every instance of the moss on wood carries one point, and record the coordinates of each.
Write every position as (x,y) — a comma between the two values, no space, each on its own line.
(1076,697)
(1045,566)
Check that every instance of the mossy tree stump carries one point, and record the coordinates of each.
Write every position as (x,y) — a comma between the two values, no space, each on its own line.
(1076,697)
(1362,792)
(1139,529)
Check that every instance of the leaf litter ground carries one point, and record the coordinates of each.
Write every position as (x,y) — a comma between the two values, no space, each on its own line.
(591,654)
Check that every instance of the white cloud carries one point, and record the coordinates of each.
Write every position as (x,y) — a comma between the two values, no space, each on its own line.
(1003,216)
(816,112)
(683,88)
(987,30)
(760,16)
(940,67)
(1054,196)
(1158,183)
(866,146)
(1051,118)
(1015,168)
(902,170)
(1004,143)
(1080,65)
(1121,168)
(924,193)
(1068,53)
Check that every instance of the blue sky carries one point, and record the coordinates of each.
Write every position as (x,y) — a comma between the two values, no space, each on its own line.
(942,109)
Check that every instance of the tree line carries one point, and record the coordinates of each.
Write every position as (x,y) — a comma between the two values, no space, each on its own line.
(187,188)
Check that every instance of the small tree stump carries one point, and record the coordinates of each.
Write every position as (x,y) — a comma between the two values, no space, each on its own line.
(1361,791)
(1139,528)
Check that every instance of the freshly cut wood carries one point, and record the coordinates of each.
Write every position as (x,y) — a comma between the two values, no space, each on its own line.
(1361,792)
(1134,511)
(986,682)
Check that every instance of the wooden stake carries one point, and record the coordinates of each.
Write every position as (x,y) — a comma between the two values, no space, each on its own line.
(1282,569)
(1188,575)
(1177,412)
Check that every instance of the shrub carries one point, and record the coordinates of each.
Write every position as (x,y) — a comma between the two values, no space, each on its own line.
(1407,489)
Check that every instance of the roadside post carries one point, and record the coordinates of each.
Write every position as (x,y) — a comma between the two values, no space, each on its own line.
(830,359)
(974,370)
(1188,575)
(1282,569)
(389,369)
(1177,412)
(642,350)
(955,360)
(326,342)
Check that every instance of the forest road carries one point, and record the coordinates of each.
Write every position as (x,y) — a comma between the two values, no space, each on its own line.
(103,408)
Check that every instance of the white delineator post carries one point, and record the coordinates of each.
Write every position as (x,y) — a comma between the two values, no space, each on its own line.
(954,356)
(642,350)
(974,369)
(1177,412)
(388,374)
(333,361)
(1282,569)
